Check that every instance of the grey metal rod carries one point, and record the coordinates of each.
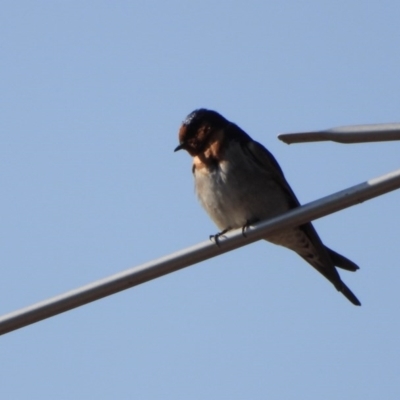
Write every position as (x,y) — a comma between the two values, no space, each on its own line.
(347,134)
(200,252)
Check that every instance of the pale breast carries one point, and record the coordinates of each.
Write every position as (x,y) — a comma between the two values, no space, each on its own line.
(235,191)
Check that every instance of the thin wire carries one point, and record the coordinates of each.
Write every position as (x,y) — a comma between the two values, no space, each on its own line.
(347,134)
(200,252)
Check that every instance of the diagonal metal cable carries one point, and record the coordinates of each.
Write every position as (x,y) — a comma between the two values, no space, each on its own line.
(200,252)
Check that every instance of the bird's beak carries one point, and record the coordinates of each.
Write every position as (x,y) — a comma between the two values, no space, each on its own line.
(180,147)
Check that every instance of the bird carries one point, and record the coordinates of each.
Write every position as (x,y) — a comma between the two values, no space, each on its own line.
(239,182)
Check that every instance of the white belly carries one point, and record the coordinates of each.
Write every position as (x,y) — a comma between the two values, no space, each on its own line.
(236,194)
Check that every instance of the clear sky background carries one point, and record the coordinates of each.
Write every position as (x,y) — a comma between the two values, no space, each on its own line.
(92,96)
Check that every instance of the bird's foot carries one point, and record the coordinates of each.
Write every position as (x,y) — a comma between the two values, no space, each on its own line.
(217,236)
(247,225)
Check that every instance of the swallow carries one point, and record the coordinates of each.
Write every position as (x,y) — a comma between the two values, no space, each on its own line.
(239,182)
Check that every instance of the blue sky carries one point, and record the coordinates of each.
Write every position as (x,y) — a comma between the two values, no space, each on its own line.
(92,96)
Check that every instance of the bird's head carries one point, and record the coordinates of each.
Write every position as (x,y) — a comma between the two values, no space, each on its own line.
(198,129)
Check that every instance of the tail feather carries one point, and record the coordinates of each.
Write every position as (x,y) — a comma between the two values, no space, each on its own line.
(349,295)
(341,261)
(307,244)
(335,279)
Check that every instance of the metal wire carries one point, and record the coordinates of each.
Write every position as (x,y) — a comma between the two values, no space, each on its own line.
(347,134)
(200,252)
